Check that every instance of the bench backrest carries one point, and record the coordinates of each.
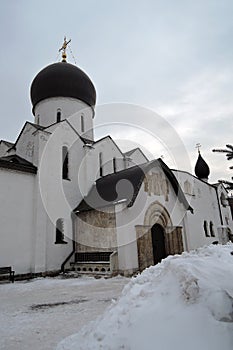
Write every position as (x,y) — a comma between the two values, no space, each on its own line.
(5,269)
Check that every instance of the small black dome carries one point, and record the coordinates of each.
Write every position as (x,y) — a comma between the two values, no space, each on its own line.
(62,80)
(202,170)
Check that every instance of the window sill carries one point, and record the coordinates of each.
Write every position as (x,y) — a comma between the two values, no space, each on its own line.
(60,242)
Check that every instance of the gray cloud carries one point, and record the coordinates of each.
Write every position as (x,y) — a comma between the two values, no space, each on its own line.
(174,57)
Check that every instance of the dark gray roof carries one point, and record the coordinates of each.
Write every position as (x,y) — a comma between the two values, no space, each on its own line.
(9,144)
(86,141)
(38,127)
(62,80)
(125,185)
(17,163)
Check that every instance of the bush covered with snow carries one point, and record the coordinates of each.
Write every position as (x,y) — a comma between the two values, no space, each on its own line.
(185,302)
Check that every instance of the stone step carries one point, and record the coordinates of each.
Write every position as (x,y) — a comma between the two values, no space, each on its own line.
(92,268)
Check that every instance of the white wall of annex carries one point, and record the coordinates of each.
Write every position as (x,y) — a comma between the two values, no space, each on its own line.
(16,219)
(204,202)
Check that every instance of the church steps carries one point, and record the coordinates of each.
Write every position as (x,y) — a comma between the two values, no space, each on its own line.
(92,267)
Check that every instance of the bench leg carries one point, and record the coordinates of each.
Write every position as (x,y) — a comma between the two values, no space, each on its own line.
(12,276)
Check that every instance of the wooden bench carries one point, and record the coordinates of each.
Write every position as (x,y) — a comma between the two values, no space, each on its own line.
(7,270)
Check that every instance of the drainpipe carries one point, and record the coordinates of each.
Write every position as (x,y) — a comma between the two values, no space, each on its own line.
(73,244)
(219,207)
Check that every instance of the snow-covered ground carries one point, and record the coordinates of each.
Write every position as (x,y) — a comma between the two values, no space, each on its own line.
(186,302)
(37,315)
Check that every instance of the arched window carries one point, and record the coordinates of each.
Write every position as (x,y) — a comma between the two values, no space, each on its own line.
(101,163)
(65,163)
(114,164)
(223,199)
(82,123)
(58,115)
(212,229)
(60,232)
(205,226)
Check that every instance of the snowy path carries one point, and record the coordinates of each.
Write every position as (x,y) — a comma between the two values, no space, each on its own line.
(39,314)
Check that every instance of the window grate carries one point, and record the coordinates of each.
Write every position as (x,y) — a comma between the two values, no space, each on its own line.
(92,256)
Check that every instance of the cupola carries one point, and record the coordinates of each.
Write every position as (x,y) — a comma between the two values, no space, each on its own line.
(202,170)
(62,90)
(62,79)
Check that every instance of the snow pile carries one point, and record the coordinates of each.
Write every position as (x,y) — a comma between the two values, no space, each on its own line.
(186,302)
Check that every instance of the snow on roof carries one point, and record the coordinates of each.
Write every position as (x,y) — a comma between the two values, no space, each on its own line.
(185,302)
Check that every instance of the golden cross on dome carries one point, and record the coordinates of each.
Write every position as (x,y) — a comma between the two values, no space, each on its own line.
(63,49)
(198,146)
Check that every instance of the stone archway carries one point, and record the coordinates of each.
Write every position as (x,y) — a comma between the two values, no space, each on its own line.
(152,248)
(156,213)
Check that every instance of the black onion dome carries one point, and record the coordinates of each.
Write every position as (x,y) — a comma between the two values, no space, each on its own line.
(62,80)
(202,170)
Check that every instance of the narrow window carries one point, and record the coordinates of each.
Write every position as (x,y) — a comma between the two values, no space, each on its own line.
(114,164)
(82,123)
(223,200)
(212,229)
(206,229)
(101,164)
(60,232)
(58,115)
(65,163)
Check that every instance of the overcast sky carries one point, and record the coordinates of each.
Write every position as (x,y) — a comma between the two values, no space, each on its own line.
(172,57)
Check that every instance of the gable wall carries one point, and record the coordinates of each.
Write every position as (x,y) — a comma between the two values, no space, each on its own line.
(25,147)
(137,157)
(155,189)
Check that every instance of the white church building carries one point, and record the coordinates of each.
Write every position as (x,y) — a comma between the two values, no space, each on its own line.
(70,202)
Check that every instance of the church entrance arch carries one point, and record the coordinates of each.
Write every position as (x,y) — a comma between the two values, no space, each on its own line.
(157,237)
(157,214)
(158,243)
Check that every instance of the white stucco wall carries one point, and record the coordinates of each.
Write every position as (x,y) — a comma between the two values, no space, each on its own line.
(203,199)
(46,113)
(224,207)
(27,234)
(90,167)
(135,158)
(25,146)
(128,218)
(16,219)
